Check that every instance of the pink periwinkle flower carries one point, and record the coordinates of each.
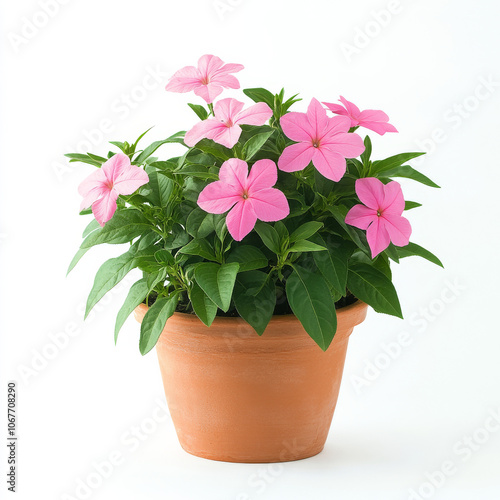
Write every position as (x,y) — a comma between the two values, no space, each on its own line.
(324,141)
(101,188)
(207,80)
(372,119)
(250,197)
(225,128)
(381,214)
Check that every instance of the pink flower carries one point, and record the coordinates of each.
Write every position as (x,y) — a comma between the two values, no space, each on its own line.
(381,214)
(320,139)
(372,119)
(225,127)
(251,196)
(207,80)
(101,188)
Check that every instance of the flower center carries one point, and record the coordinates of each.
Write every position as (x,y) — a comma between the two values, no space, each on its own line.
(316,143)
(245,195)
(379,213)
(205,81)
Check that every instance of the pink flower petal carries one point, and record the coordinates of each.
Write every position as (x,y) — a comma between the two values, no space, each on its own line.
(218,197)
(361,216)
(296,126)
(234,173)
(92,195)
(209,92)
(209,64)
(296,157)
(336,125)
(316,114)
(204,129)
(348,145)
(258,114)
(104,208)
(229,68)
(184,80)
(227,109)
(379,128)
(241,220)
(115,167)
(227,136)
(329,163)
(269,204)
(336,108)
(394,202)
(378,237)
(352,110)
(263,174)
(373,115)
(226,81)
(398,228)
(95,179)
(130,180)
(371,192)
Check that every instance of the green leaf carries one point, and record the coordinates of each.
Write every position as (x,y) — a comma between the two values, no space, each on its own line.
(372,286)
(125,225)
(414,249)
(333,262)
(199,223)
(392,162)
(161,187)
(253,145)
(79,254)
(217,281)
(134,146)
(154,321)
(83,159)
(200,111)
(123,146)
(392,253)
(311,301)
(410,173)
(260,95)
(210,147)
(109,275)
(281,230)
(339,212)
(203,307)
(305,231)
(365,156)
(248,257)
(137,293)
(306,246)
(412,204)
(269,236)
(198,171)
(177,239)
(163,256)
(144,155)
(97,158)
(91,227)
(255,299)
(199,247)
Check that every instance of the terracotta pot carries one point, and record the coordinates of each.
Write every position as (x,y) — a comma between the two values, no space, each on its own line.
(237,397)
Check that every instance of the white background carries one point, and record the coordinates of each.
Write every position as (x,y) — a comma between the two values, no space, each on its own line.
(398,419)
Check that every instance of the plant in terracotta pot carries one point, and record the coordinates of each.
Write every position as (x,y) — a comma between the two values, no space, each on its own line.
(260,248)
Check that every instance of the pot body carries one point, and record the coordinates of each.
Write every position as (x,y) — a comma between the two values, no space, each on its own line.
(237,397)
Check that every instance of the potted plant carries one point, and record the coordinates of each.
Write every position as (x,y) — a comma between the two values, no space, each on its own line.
(261,248)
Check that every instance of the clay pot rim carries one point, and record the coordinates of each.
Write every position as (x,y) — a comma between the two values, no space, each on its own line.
(278,318)
(356,311)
